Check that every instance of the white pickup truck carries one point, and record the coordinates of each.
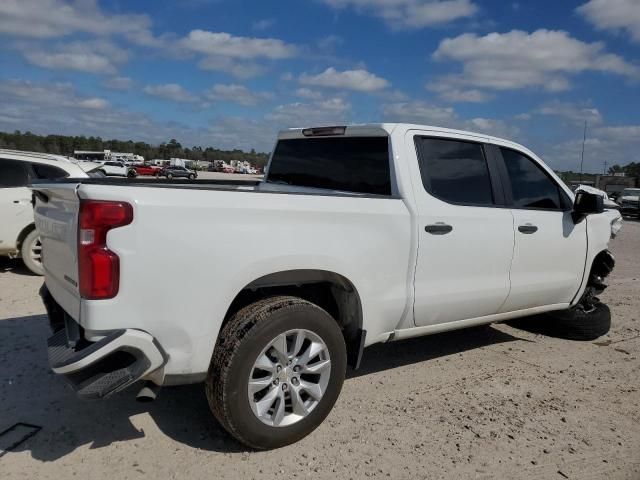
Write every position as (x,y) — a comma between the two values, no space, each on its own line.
(356,235)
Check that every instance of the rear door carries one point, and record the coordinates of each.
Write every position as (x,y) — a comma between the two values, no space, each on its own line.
(16,211)
(465,231)
(550,248)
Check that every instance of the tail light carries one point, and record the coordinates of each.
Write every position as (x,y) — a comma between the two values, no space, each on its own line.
(99,267)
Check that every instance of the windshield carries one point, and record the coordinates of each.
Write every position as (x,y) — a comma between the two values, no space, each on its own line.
(631,192)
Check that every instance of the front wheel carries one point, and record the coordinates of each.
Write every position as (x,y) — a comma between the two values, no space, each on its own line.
(31,252)
(582,322)
(170,176)
(192,176)
(276,371)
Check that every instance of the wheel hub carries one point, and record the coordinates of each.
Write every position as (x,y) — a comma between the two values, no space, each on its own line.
(289,378)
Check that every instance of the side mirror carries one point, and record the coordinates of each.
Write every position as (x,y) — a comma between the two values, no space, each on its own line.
(586,203)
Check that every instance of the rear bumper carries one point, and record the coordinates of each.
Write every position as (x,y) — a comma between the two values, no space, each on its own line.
(98,369)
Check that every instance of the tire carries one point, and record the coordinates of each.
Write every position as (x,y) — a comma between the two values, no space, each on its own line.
(31,252)
(192,176)
(132,173)
(170,176)
(578,324)
(243,340)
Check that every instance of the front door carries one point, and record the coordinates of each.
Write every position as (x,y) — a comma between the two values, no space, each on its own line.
(549,253)
(465,232)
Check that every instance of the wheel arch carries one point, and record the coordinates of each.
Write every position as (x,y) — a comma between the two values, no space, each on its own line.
(329,290)
(593,283)
(23,234)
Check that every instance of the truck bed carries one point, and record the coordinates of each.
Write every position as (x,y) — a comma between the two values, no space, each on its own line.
(193,246)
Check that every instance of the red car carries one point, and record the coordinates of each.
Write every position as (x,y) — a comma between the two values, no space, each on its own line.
(144,169)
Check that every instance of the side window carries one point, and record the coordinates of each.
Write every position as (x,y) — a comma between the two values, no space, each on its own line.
(47,171)
(455,171)
(530,185)
(13,173)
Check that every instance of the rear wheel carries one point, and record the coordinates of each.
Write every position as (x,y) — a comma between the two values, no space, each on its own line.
(170,176)
(132,173)
(276,372)
(31,252)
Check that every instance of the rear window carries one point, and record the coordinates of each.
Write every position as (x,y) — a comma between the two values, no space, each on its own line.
(48,172)
(352,164)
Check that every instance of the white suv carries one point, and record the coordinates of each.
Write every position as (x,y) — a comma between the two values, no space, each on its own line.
(18,237)
(114,168)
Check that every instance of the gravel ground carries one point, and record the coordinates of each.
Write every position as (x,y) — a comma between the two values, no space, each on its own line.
(490,402)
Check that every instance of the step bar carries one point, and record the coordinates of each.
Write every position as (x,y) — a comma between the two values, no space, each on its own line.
(99,369)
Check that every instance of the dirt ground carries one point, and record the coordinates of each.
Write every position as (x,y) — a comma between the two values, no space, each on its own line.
(490,402)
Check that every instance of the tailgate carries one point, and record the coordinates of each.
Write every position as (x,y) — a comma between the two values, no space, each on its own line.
(56,218)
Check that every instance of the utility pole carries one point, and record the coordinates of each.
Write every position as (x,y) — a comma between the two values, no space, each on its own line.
(584,138)
(604,169)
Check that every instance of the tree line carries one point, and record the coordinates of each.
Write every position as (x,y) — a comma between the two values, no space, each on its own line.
(65,145)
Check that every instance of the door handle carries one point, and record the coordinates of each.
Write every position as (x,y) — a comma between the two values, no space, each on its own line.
(528,228)
(438,228)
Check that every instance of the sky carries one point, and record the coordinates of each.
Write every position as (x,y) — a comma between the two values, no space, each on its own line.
(230,74)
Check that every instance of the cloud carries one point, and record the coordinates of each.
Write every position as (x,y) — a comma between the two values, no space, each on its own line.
(330,42)
(614,15)
(57,18)
(236,94)
(571,112)
(359,80)
(427,114)
(170,91)
(328,111)
(235,55)
(514,60)
(263,24)
(308,93)
(100,57)
(57,108)
(222,44)
(411,14)
(451,93)
(47,96)
(419,112)
(118,83)
(235,68)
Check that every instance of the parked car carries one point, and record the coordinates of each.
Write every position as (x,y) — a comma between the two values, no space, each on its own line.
(630,201)
(344,245)
(112,168)
(18,236)
(228,169)
(179,172)
(144,169)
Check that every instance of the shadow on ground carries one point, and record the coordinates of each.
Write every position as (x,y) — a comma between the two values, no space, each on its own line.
(15,265)
(32,394)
